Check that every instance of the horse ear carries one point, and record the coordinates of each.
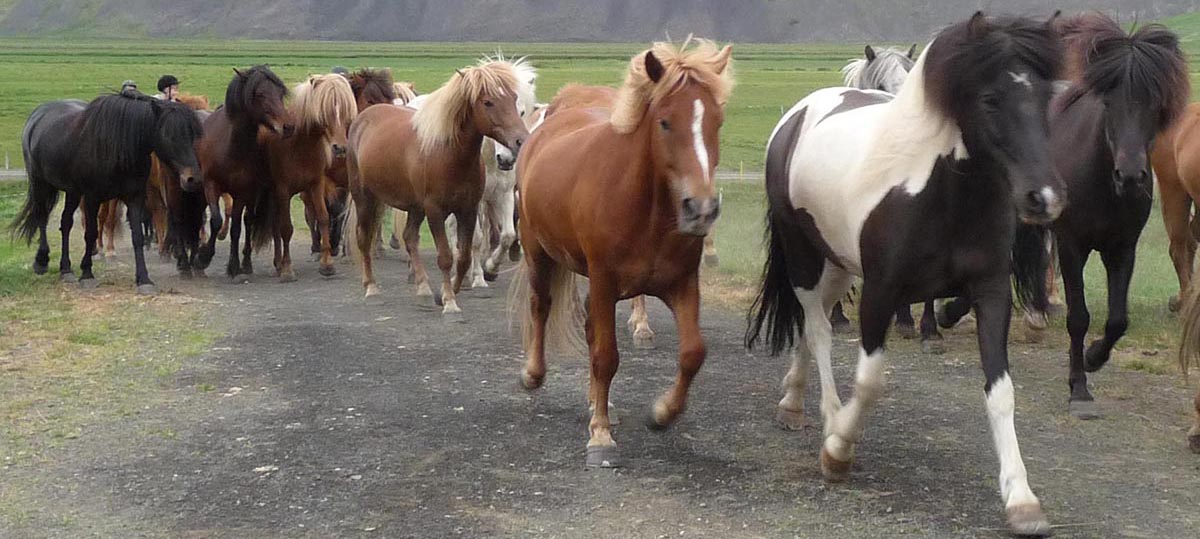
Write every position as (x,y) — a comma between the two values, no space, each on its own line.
(870,53)
(977,26)
(239,73)
(654,68)
(912,51)
(1050,23)
(723,57)
(460,72)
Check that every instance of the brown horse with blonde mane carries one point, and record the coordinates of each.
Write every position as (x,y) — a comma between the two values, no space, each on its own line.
(323,108)
(427,163)
(624,196)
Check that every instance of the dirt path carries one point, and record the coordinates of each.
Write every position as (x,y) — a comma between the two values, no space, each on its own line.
(322,416)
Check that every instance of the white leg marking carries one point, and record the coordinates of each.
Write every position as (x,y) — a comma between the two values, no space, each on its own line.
(1014,487)
(698,138)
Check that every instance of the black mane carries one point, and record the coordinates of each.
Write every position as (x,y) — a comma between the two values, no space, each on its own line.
(116,132)
(968,55)
(239,96)
(1146,66)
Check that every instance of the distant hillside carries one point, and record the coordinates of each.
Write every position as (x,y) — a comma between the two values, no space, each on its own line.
(531,20)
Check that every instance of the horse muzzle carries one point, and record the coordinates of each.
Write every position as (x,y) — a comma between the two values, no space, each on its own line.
(1125,181)
(190,180)
(697,215)
(339,151)
(505,162)
(1041,206)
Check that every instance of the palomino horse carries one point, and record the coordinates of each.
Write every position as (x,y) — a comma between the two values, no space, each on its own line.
(623,196)
(919,196)
(233,156)
(322,107)
(98,151)
(426,162)
(1133,86)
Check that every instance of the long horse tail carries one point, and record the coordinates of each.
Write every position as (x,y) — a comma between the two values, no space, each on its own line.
(1189,338)
(40,196)
(565,324)
(775,308)
(1030,259)
(262,219)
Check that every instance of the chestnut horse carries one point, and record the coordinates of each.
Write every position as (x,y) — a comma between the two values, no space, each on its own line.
(322,107)
(426,163)
(623,196)
(1176,162)
(233,157)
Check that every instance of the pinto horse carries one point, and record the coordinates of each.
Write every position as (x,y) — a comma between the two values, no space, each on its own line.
(99,151)
(623,196)
(919,196)
(426,162)
(322,107)
(234,157)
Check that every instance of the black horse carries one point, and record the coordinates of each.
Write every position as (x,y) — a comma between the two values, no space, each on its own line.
(95,152)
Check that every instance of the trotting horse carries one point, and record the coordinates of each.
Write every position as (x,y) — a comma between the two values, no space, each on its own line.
(233,155)
(323,108)
(919,196)
(623,196)
(99,151)
(426,162)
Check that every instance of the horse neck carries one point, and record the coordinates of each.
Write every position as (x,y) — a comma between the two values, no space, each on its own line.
(646,180)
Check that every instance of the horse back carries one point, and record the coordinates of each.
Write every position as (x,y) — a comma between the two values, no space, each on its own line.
(575,96)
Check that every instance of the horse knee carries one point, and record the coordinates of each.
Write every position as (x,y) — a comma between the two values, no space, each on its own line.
(1078,322)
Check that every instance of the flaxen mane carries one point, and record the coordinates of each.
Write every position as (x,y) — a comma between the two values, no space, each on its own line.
(702,64)
(404,91)
(441,119)
(323,103)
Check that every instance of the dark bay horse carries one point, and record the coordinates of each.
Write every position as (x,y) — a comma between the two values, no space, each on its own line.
(426,163)
(1132,87)
(624,196)
(919,196)
(233,156)
(322,107)
(100,151)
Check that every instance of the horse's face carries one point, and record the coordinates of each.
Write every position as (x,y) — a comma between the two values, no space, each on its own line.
(686,150)
(1129,131)
(176,133)
(267,99)
(1009,116)
(499,117)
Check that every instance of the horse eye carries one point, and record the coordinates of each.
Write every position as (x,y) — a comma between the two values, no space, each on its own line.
(664,125)
(991,103)
(487,103)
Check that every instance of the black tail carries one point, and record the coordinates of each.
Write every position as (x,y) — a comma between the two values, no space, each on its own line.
(39,202)
(776,306)
(1030,259)
(262,219)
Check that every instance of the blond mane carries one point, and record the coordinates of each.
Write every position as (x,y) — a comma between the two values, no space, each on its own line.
(442,118)
(323,103)
(405,91)
(703,63)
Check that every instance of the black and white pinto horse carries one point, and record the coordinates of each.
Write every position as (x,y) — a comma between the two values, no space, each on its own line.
(99,151)
(920,197)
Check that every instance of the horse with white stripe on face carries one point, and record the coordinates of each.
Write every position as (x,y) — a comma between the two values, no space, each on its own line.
(919,196)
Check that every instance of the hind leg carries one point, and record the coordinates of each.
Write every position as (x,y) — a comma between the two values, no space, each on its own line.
(905,325)
(367,208)
(234,216)
(1194,434)
(110,218)
(412,243)
(65,224)
(501,213)
(540,269)
(91,231)
(931,338)
(228,222)
(283,235)
(817,338)
(711,259)
(325,232)
(639,324)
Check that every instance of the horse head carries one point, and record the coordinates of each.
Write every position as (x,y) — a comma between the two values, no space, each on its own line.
(177,128)
(993,78)
(256,96)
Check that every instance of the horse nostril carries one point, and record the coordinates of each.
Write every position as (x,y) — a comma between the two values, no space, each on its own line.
(1037,202)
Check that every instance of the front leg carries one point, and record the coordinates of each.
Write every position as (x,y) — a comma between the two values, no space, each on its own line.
(1118,264)
(445,257)
(91,213)
(66,223)
(602,303)
(993,309)
(1071,261)
(136,214)
(685,303)
(502,215)
(639,324)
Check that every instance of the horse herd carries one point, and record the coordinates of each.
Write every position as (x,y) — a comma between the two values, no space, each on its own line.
(943,175)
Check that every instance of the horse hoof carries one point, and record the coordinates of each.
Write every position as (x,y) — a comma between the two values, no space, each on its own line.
(530,382)
(1036,320)
(602,456)
(89,283)
(712,261)
(1095,357)
(643,340)
(372,290)
(479,283)
(490,276)
(241,278)
(394,243)
(907,331)
(660,418)
(1174,304)
(1194,443)
(147,289)
(327,271)
(1027,520)
(67,277)
(791,419)
(834,470)
(287,277)
(933,346)
(1084,410)
(424,290)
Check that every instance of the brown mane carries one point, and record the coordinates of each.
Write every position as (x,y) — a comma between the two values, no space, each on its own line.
(194,102)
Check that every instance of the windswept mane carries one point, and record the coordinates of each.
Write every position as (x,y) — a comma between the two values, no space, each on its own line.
(404,91)
(702,64)
(527,89)
(323,103)
(889,64)
(969,54)
(194,102)
(239,96)
(373,85)
(116,131)
(441,120)
(1145,66)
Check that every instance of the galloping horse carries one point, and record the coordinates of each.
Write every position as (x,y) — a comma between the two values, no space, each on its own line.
(623,196)
(98,151)
(1133,86)
(322,107)
(919,196)
(426,162)
(233,156)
